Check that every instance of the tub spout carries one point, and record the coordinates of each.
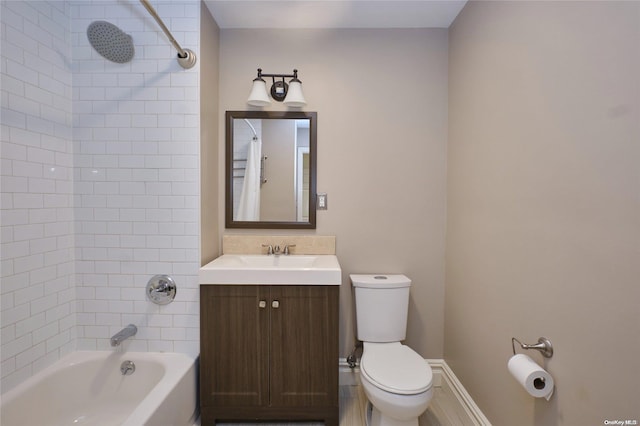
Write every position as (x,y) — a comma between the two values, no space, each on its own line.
(123,334)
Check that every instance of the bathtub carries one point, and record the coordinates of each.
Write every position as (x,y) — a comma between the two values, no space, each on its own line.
(87,388)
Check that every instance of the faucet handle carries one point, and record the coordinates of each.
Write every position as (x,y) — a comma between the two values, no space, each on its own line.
(269,249)
(286,248)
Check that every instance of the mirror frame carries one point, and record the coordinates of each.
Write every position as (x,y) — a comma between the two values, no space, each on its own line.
(288,115)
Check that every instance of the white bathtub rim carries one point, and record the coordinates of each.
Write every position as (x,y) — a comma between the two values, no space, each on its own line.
(176,366)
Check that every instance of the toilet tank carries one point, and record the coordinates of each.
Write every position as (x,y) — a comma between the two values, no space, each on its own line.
(382,303)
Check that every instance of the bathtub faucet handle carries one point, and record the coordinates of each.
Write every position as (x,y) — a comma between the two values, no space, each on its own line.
(161,289)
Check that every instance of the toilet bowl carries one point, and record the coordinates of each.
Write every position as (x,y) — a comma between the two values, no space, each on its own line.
(397,382)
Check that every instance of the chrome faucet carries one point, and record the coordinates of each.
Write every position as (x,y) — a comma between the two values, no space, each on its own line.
(123,334)
(271,249)
(275,250)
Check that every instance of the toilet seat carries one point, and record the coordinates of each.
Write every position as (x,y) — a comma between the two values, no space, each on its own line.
(395,368)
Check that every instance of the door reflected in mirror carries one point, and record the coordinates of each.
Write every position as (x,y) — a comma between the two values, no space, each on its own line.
(271,169)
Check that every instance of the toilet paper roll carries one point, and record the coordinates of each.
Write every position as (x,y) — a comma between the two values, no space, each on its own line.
(531,376)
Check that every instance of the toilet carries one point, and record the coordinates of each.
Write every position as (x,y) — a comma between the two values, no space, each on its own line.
(396,380)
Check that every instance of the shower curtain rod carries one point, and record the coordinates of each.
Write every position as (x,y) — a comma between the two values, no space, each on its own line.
(186,57)
(253,129)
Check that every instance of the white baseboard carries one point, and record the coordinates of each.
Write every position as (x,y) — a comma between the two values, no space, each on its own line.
(442,376)
(450,380)
(348,376)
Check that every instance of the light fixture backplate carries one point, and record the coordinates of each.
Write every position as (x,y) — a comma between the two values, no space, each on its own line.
(279,90)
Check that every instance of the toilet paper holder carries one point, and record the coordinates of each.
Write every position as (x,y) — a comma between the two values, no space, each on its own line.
(544,346)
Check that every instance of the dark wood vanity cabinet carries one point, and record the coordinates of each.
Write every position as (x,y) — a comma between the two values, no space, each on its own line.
(269,353)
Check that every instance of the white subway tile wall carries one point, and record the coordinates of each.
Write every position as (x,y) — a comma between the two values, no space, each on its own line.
(38,293)
(136,177)
(100,181)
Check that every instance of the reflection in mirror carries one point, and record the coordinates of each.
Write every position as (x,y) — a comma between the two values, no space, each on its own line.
(270,169)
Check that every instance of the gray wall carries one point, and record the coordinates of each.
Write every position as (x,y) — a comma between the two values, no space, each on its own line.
(209,127)
(381,98)
(277,195)
(543,234)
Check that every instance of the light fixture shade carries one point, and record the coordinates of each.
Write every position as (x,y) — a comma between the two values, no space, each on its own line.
(295,98)
(259,96)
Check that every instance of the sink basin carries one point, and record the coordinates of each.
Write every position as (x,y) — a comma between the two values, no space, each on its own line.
(272,270)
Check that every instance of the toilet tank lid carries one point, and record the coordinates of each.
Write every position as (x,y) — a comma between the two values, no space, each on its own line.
(380,280)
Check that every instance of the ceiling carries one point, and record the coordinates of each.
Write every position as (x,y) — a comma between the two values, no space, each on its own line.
(334,13)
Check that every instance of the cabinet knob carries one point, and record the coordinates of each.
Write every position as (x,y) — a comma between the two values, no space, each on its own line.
(275,304)
(262,304)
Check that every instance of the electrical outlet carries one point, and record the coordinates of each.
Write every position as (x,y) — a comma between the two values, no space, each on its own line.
(322,201)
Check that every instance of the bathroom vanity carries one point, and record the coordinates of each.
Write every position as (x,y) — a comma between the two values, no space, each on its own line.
(269,350)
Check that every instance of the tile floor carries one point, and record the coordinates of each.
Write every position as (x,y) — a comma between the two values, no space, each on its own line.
(444,410)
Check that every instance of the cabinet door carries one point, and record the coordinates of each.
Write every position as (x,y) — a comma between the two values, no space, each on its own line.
(304,346)
(234,336)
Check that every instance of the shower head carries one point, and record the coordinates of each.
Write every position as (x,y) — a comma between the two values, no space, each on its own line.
(110,41)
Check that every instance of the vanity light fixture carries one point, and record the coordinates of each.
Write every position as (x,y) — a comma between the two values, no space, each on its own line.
(290,94)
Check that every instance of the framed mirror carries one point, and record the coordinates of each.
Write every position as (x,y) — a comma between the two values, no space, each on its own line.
(270,165)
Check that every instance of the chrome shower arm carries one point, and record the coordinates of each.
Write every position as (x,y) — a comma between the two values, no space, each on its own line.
(186,58)
(173,41)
